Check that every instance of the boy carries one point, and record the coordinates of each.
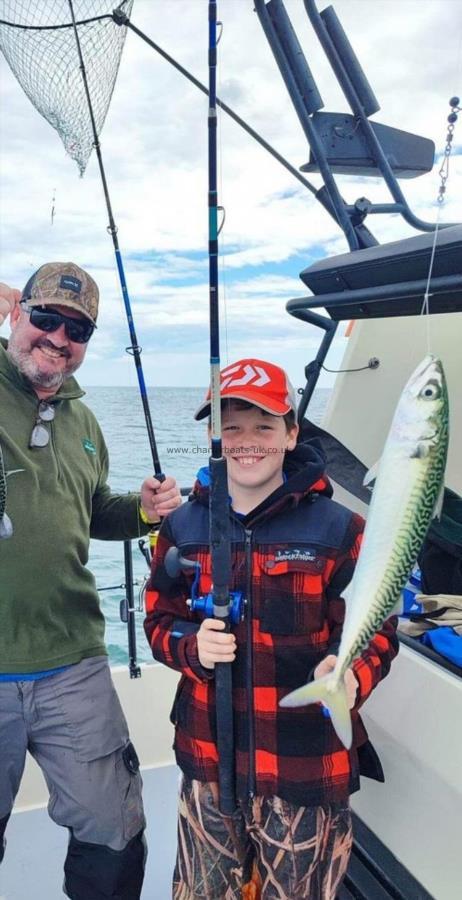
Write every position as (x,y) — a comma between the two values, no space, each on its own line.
(293,553)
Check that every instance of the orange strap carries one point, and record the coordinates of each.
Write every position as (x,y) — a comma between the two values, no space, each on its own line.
(252,890)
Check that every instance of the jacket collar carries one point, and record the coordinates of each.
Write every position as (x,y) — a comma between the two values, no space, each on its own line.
(70,390)
(304,478)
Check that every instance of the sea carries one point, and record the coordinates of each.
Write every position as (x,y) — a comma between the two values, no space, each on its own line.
(182,449)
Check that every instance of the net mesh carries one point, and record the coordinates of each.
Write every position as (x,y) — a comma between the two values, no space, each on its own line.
(38,41)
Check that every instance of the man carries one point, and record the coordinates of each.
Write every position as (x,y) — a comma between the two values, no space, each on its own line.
(57,699)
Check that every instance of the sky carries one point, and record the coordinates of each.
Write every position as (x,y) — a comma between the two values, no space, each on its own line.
(154,145)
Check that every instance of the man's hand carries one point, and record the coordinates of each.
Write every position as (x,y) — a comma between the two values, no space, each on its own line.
(8,299)
(351,683)
(213,646)
(159,498)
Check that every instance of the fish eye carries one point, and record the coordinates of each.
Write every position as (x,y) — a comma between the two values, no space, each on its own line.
(431,391)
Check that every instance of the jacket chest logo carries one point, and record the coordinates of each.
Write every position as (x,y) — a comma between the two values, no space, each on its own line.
(89,446)
(295,554)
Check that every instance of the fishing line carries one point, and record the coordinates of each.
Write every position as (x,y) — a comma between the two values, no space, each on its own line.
(425,311)
(53,201)
(134,349)
(443,173)
(459,57)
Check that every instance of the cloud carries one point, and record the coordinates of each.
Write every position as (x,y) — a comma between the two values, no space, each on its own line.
(154,146)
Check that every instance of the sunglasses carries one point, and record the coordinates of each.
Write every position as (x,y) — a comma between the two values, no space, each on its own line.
(77,330)
(40,436)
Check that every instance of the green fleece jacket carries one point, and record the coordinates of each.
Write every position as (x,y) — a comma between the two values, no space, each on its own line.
(59,498)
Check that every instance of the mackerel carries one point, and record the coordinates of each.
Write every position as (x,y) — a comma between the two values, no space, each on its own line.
(6,528)
(409,483)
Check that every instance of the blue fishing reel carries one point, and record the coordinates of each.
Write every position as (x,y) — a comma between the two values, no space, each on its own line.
(174,563)
(205,605)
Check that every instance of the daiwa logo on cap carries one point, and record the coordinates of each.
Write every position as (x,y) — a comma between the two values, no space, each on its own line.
(70,284)
(255,381)
(252,375)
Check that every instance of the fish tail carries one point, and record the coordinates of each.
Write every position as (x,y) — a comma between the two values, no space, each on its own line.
(334,696)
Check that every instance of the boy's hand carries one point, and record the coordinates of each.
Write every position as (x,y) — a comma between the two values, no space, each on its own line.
(213,646)
(159,498)
(351,683)
(8,299)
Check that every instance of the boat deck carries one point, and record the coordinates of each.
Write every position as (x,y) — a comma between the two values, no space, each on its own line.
(36,847)
(33,865)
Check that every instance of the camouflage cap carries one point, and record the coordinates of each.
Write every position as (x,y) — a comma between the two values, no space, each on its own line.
(63,284)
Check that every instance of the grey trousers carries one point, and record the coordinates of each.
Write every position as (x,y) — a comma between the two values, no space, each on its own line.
(73,725)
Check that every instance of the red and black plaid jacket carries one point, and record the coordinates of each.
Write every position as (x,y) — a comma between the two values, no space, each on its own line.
(292,557)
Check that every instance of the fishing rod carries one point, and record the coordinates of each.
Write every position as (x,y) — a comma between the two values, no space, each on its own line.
(127,607)
(220,539)
(321,194)
(128,610)
(134,349)
(121,18)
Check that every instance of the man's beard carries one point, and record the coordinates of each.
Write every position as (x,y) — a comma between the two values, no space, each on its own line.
(28,367)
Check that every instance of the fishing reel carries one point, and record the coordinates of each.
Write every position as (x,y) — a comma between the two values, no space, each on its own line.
(174,563)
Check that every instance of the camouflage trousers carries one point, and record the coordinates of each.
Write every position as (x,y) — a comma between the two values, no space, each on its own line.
(268,850)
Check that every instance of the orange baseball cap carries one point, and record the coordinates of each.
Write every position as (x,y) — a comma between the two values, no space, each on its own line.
(259,382)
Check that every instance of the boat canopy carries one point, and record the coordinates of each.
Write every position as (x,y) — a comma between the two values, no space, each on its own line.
(387,280)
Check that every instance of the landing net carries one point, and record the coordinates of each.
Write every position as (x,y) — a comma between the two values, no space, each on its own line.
(38,41)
